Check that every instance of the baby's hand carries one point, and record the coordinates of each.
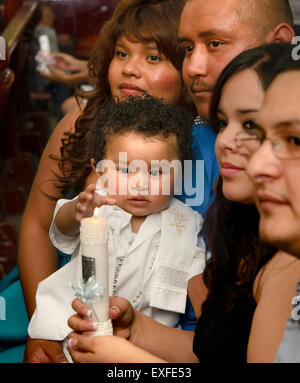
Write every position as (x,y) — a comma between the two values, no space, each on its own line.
(88,200)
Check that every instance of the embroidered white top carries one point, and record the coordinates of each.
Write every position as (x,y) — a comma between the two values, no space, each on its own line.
(150,269)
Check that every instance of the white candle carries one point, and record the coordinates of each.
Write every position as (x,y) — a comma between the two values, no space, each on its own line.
(93,236)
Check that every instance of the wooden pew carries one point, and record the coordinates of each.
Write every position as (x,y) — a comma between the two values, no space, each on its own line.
(19,20)
(14,94)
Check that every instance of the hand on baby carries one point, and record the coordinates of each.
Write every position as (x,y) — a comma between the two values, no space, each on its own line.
(88,200)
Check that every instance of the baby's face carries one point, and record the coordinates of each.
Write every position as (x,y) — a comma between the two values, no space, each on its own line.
(138,172)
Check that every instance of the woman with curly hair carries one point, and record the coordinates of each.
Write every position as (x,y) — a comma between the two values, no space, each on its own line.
(136,54)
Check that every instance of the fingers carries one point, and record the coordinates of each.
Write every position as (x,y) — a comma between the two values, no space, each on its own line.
(122,314)
(88,200)
(80,342)
(84,203)
(56,353)
(99,349)
(74,349)
(104,200)
(83,348)
(118,307)
(80,325)
(63,61)
(81,308)
(114,312)
(44,351)
(80,322)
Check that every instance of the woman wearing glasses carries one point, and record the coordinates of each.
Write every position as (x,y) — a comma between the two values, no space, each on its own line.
(274,168)
(250,286)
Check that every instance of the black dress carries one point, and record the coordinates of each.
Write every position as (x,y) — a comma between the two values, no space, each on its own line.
(222,336)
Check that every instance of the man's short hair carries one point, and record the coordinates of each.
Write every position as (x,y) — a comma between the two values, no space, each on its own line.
(265,14)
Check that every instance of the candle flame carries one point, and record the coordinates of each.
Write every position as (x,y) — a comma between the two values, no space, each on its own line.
(96,212)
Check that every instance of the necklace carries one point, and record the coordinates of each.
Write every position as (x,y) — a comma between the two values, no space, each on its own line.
(117,271)
(116,277)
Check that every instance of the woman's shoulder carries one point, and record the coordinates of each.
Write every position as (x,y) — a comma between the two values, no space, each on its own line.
(280,273)
(67,123)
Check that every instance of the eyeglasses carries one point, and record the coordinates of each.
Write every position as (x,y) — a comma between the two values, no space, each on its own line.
(285,144)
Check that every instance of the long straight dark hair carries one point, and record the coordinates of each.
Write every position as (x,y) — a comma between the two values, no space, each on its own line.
(231,228)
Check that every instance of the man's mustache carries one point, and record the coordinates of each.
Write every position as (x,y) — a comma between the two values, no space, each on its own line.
(200,86)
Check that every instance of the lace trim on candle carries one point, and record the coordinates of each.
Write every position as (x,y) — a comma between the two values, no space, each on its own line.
(103,329)
(92,239)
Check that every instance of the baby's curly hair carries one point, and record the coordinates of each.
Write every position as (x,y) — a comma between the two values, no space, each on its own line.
(146,115)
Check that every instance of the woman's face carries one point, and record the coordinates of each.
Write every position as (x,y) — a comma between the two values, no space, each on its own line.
(138,68)
(241,99)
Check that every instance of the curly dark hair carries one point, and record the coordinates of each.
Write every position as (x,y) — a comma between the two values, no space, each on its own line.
(144,115)
(138,20)
(143,21)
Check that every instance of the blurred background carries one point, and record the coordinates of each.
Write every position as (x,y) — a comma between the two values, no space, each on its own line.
(30,105)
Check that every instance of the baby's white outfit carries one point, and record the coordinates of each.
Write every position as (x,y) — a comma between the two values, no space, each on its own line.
(151,269)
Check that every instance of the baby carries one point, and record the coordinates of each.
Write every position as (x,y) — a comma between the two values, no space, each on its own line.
(137,151)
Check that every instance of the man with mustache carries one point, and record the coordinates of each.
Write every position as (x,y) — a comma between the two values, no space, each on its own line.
(212,33)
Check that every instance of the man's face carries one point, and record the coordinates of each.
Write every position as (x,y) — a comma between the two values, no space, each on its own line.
(212,35)
(278,181)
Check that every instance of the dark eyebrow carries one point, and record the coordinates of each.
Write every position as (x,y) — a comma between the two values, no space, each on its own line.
(181,40)
(282,124)
(247,111)
(150,46)
(118,44)
(239,111)
(220,111)
(210,33)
